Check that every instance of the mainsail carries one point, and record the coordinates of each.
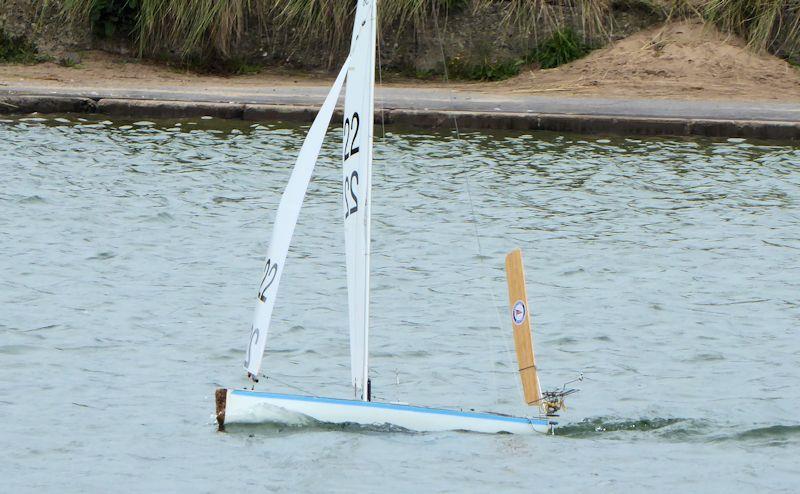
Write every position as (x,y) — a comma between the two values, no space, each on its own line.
(356,182)
(283,228)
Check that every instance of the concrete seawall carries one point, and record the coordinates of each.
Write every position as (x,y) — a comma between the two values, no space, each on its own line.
(432,111)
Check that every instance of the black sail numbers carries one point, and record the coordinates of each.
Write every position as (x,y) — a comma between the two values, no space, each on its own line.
(254,334)
(351,125)
(350,147)
(270,274)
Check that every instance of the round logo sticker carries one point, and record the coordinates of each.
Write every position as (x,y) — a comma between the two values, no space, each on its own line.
(518,312)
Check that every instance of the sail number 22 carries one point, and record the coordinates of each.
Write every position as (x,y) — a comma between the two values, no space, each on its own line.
(350,149)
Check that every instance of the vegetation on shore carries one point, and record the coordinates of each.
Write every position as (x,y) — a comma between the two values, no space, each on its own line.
(205,33)
(17,50)
(766,24)
(562,46)
(202,32)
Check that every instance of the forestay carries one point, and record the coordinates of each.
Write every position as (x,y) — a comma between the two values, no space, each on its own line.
(283,228)
(357,178)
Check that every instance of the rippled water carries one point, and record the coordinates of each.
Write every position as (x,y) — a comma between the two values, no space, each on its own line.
(668,271)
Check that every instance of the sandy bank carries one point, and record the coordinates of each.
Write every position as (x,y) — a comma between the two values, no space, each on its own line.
(680,60)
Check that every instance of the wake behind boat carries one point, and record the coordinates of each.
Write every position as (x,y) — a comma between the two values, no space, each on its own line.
(250,406)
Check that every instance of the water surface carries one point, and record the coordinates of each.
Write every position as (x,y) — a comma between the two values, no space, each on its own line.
(665,270)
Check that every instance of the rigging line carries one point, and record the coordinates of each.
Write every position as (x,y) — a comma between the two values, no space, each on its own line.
(380,86)
(380,76)
(296,388)
(475,220)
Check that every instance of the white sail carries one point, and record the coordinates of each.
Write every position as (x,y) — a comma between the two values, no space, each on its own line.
(285,221)
(357,178)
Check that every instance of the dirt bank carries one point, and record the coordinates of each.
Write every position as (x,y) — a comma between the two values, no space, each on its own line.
(98,69)
(681,60)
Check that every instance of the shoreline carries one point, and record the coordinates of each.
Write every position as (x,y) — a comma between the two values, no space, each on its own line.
(429,108)
(679,78)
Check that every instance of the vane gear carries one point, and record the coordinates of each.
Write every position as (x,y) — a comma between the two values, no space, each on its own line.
(553,401)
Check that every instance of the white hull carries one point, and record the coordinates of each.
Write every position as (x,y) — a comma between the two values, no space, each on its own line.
(252,407)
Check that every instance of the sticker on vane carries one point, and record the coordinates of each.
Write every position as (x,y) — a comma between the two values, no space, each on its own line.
(518,312)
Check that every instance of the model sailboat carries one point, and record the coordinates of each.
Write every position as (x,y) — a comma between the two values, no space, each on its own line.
(249,406)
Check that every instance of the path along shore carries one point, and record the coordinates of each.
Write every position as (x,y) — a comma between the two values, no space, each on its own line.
(680,78)
(423,107)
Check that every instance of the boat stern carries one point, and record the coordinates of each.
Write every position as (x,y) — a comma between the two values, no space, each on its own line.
(221,397)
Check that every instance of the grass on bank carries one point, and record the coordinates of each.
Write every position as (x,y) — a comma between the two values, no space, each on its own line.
(458,68)
(194,26)
(766,24)
(17,50)
(204,32)
(561,47)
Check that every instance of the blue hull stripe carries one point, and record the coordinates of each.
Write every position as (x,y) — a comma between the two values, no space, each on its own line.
(392,406)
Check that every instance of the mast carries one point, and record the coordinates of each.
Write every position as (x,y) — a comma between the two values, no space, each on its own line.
(368,205)
(521,324)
